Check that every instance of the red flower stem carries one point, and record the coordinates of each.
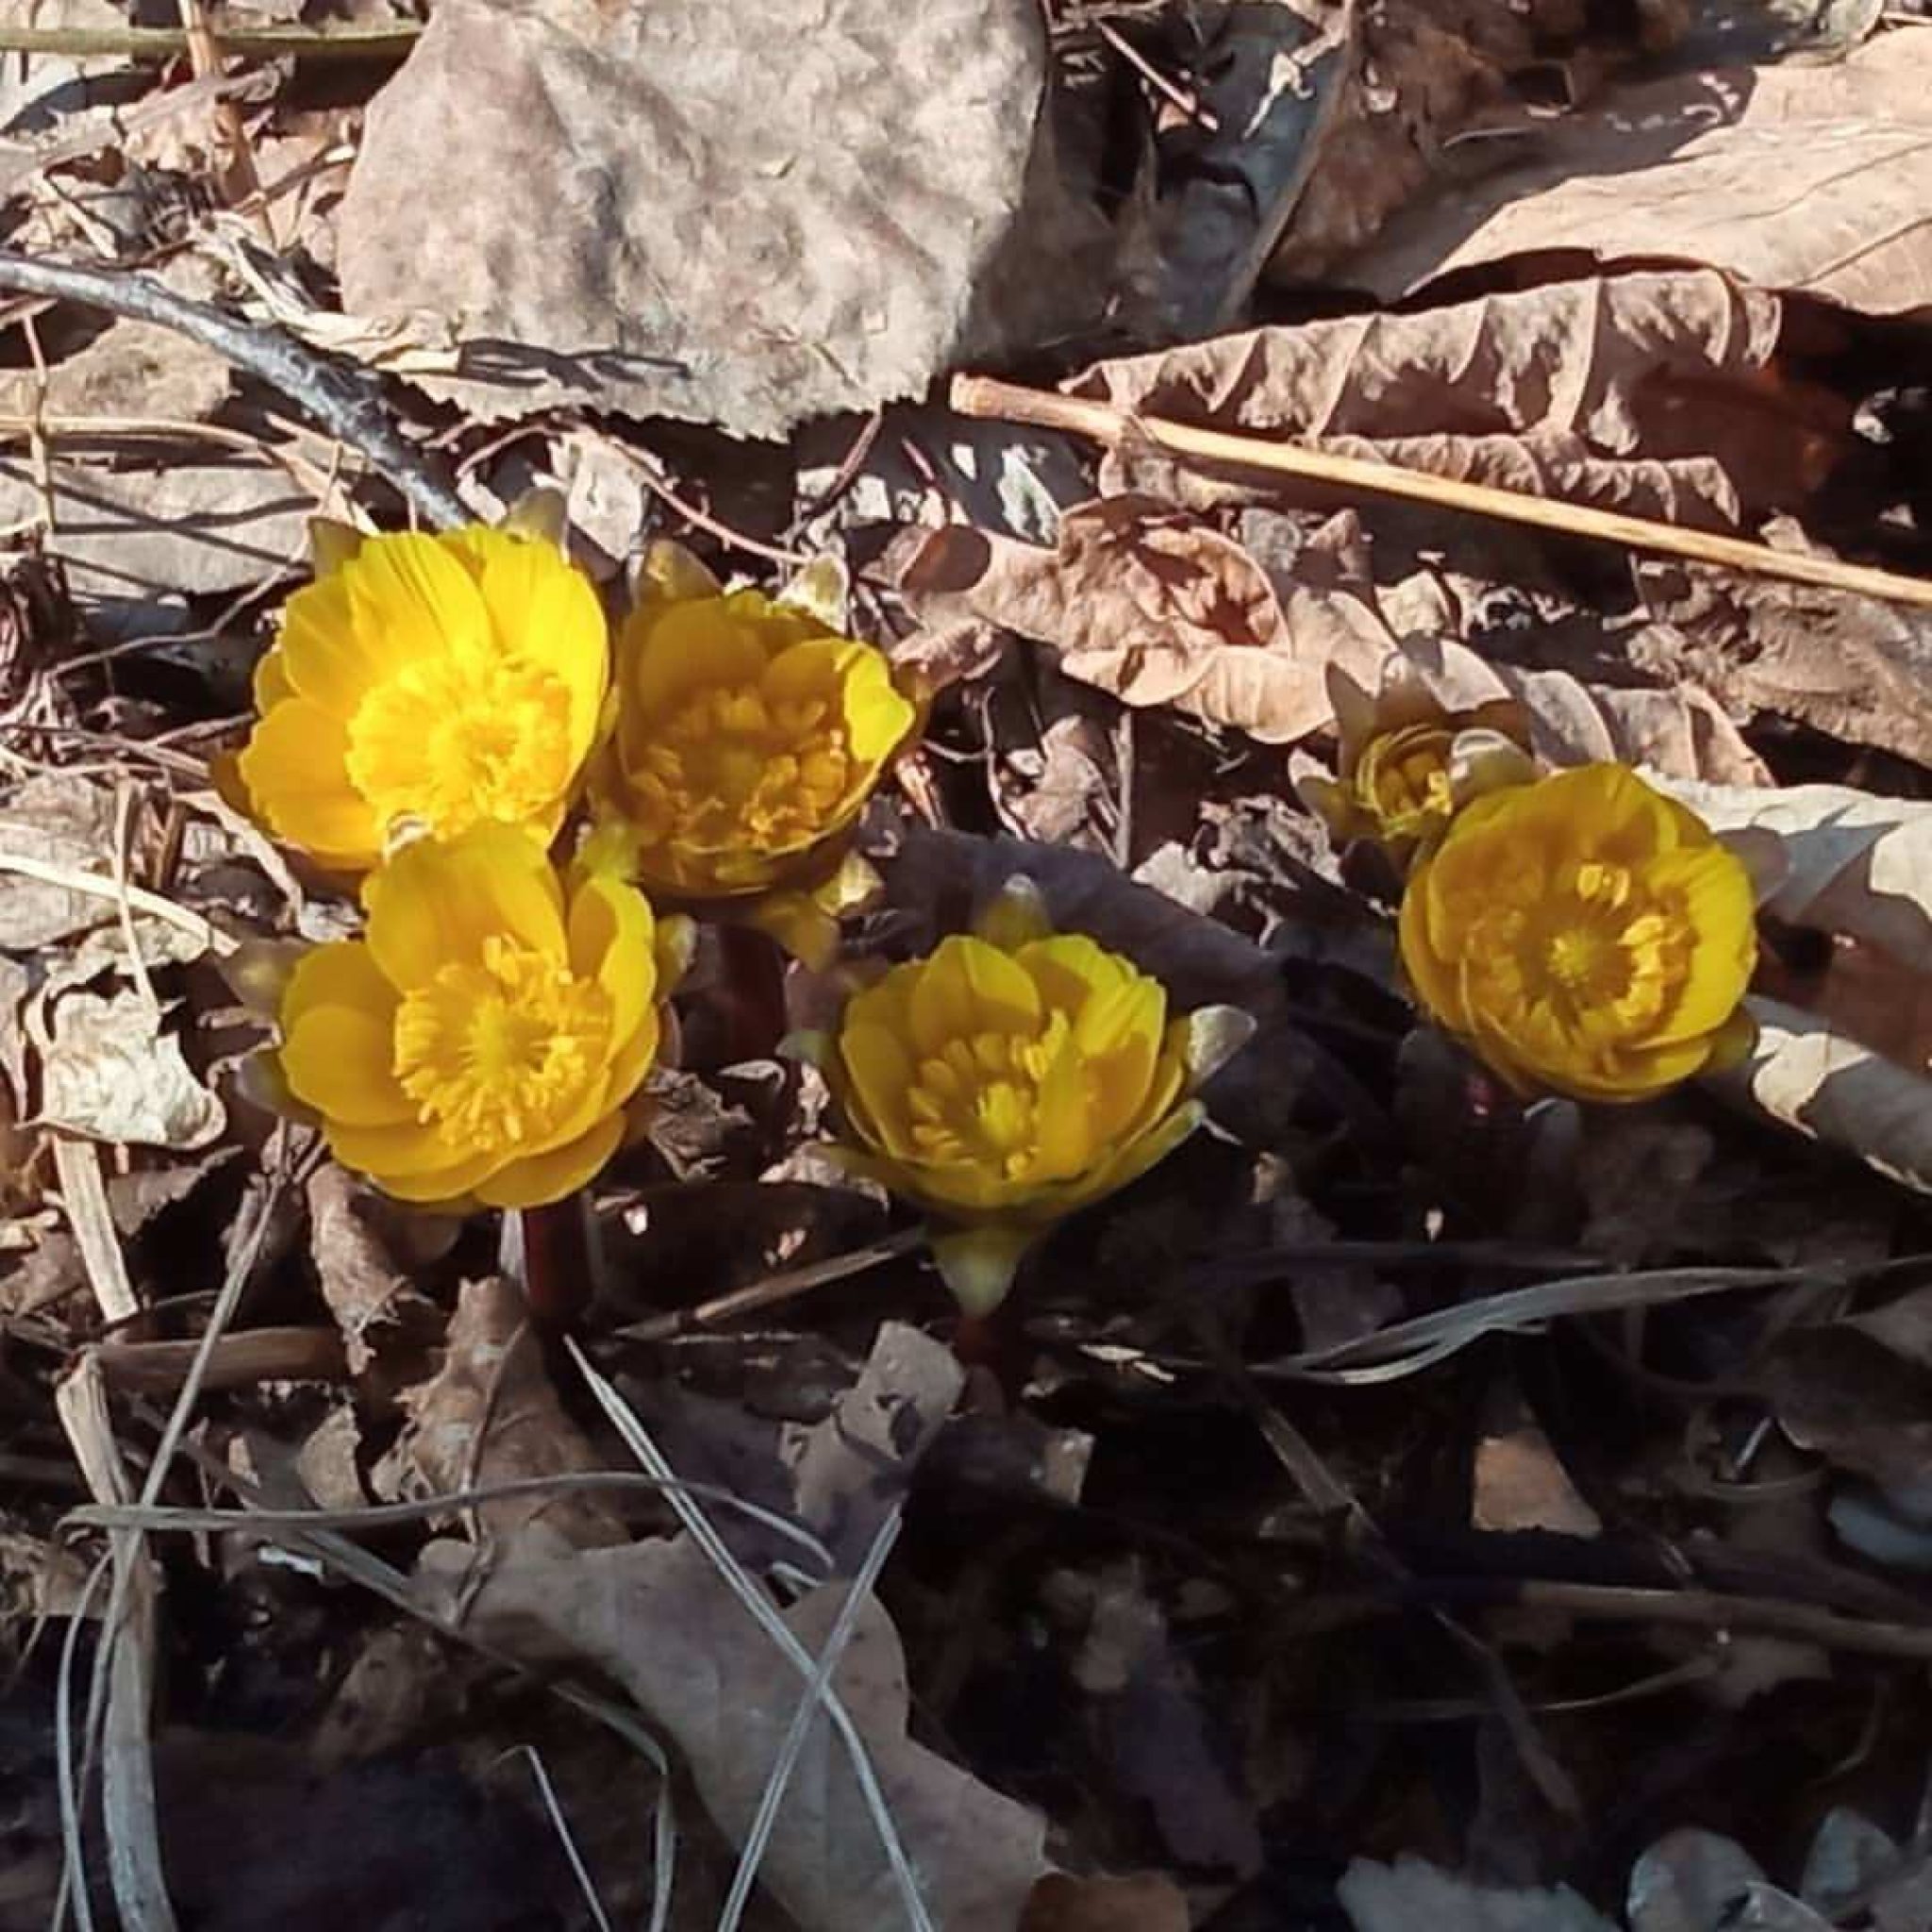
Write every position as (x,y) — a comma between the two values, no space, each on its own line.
(752,994)
(557,1259)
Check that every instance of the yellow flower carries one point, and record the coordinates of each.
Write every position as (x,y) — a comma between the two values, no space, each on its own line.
(749,735)
(1011,1077)
(1586,935)
(482,1040)
(426,683)
(1409,762)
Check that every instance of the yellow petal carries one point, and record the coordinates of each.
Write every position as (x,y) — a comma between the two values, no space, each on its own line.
(879,1070)
(1063,1131)
(612,941)
(1437,984)
(342,973)
(1132,1159)
(969,987)
(270,684)
(411,1159)
(412,597)
(292,767)
(434,903)
(669,655)
(317,653)
(979,1264)
(340,1062)
(544,611)
(1719,905)
(877,717)
(1071,970)
(552,1176)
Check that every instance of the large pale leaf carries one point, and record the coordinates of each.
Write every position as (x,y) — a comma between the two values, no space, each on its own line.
(746,215)
(1799,174)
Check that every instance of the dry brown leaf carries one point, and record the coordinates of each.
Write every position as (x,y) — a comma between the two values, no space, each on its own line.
(1830,1087)
(1853,862)
(656,1618)
(62,820)
(1813,176)
(1851,667)
(553,176)
(1146,1903)
(109,1071)
(491,1414)
(379,1310)
(130,538)
(1412,1893)
(135,369)
(1150,603)
(1649,393)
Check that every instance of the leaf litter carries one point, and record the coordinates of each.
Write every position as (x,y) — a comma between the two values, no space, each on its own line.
(1404,1506)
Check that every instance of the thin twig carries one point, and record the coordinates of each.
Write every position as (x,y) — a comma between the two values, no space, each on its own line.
(981,396)
(772,1290)
(157,45)
(343,404)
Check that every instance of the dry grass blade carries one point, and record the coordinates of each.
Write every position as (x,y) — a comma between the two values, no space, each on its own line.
(131,899)
(747,1592)
(981,396)
(759,1834)
(78,1166)
(1405,1347)
(127,1659)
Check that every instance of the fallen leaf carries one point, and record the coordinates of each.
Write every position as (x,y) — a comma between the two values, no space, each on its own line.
(1829,1087)
(1853,861)
(1266,95)
(491,1414)
(109,1071)
(1698,1881)
(656,1618)
(133,538)
(1811,176)
(874,161)
(1851,667)
(1152,604)
(1412,1893)
(60,821)
(1146,1903)
(1653,392)
(383,1316)
(131,369)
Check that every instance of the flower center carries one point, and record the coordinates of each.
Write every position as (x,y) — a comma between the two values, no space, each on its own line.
(978,1100)
(458,744)
(500,1053)
(1600,958)
(737,767)
(1404,778)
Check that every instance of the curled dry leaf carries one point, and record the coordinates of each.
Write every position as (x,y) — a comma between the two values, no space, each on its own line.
(1853,861)
(1826,1085)
(110,1072)
(1149,602)
(1653,393)
(1412,1893)
(1811,175)
(1851,667)
(379,1310)
(658,1619)
(875,160)
(1145,1902)
(491,1414)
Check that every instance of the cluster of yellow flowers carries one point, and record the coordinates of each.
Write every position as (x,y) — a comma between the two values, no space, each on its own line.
(435,709)
(432,714)
(1581,931)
